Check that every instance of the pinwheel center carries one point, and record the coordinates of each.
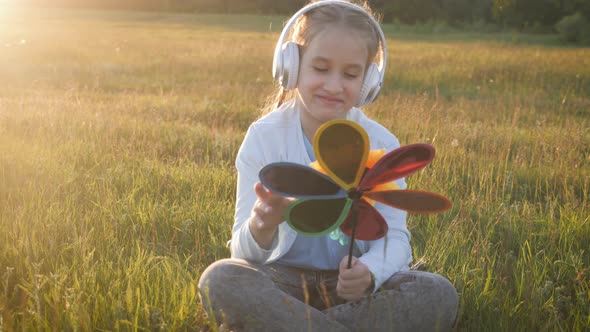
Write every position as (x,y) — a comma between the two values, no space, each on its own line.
(354,194)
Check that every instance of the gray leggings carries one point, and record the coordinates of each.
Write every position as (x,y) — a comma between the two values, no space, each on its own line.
(274,297)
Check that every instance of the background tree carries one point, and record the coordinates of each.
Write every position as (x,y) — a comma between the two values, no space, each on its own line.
(529,15)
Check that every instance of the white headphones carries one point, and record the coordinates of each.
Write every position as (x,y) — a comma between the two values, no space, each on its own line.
(285,64)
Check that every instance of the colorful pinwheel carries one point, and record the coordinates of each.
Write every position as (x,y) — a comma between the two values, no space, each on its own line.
(341,193)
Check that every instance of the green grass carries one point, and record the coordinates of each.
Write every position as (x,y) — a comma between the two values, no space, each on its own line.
(118,133)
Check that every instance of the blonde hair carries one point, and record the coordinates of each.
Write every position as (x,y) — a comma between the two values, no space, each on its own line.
(311,23)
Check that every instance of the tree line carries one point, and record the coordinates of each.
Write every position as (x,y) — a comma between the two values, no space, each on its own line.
(564,16)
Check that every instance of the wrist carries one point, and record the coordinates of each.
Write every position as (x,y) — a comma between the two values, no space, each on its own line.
(260,226)
(262,233)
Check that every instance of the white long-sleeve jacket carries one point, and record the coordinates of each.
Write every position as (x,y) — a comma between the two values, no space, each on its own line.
(278,137)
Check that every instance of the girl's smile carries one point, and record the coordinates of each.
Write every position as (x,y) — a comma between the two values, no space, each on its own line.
(330,101)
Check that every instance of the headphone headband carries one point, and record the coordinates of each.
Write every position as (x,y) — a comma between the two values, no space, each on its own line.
(286,73)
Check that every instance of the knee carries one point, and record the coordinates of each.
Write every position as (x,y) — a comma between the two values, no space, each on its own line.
(442,296)
(213,274)
(440,287)
(219,274)
(423,284)
(223,276)
(431,287)
(225,289)
(430,296)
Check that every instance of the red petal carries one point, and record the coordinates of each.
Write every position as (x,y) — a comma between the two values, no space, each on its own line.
(416,201)
(370,225)
(398,163)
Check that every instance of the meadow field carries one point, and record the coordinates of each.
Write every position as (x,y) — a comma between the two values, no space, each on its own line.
(118,133)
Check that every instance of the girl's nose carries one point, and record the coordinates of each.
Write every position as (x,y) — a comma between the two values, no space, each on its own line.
(333,84)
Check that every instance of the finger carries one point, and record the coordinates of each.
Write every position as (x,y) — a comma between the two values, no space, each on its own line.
(352,283)
(257,219)
(270,198)
(261,192)
(357,269)
(344,263)
(348,294)
(355,278)
(261,208)
(348,285)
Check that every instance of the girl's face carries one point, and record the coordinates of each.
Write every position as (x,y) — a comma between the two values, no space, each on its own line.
(330,76)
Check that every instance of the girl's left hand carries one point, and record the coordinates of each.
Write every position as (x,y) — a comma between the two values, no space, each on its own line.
(354,282)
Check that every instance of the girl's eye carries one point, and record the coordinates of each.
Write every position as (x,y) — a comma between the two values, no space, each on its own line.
(320,69)
(351,76)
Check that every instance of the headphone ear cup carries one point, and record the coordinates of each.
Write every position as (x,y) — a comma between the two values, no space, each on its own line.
(290,56)
(371,85)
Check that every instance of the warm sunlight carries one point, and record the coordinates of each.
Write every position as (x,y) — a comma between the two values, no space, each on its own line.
(119,177)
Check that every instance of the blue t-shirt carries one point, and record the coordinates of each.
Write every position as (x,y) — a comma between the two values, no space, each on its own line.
(320,253)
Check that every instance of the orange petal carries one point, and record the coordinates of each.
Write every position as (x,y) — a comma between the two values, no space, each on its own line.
(385,186)
(316,165)
(374,156)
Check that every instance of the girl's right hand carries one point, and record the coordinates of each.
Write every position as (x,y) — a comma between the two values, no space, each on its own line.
(270,208)
(267,214)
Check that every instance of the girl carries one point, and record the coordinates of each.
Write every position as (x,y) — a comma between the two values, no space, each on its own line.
(279,280)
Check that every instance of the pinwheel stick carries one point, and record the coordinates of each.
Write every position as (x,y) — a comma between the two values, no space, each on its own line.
(355,214)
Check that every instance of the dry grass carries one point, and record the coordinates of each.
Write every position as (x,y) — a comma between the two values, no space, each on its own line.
(118,133)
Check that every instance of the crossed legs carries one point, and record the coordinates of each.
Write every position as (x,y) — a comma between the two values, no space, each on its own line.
(275,297)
